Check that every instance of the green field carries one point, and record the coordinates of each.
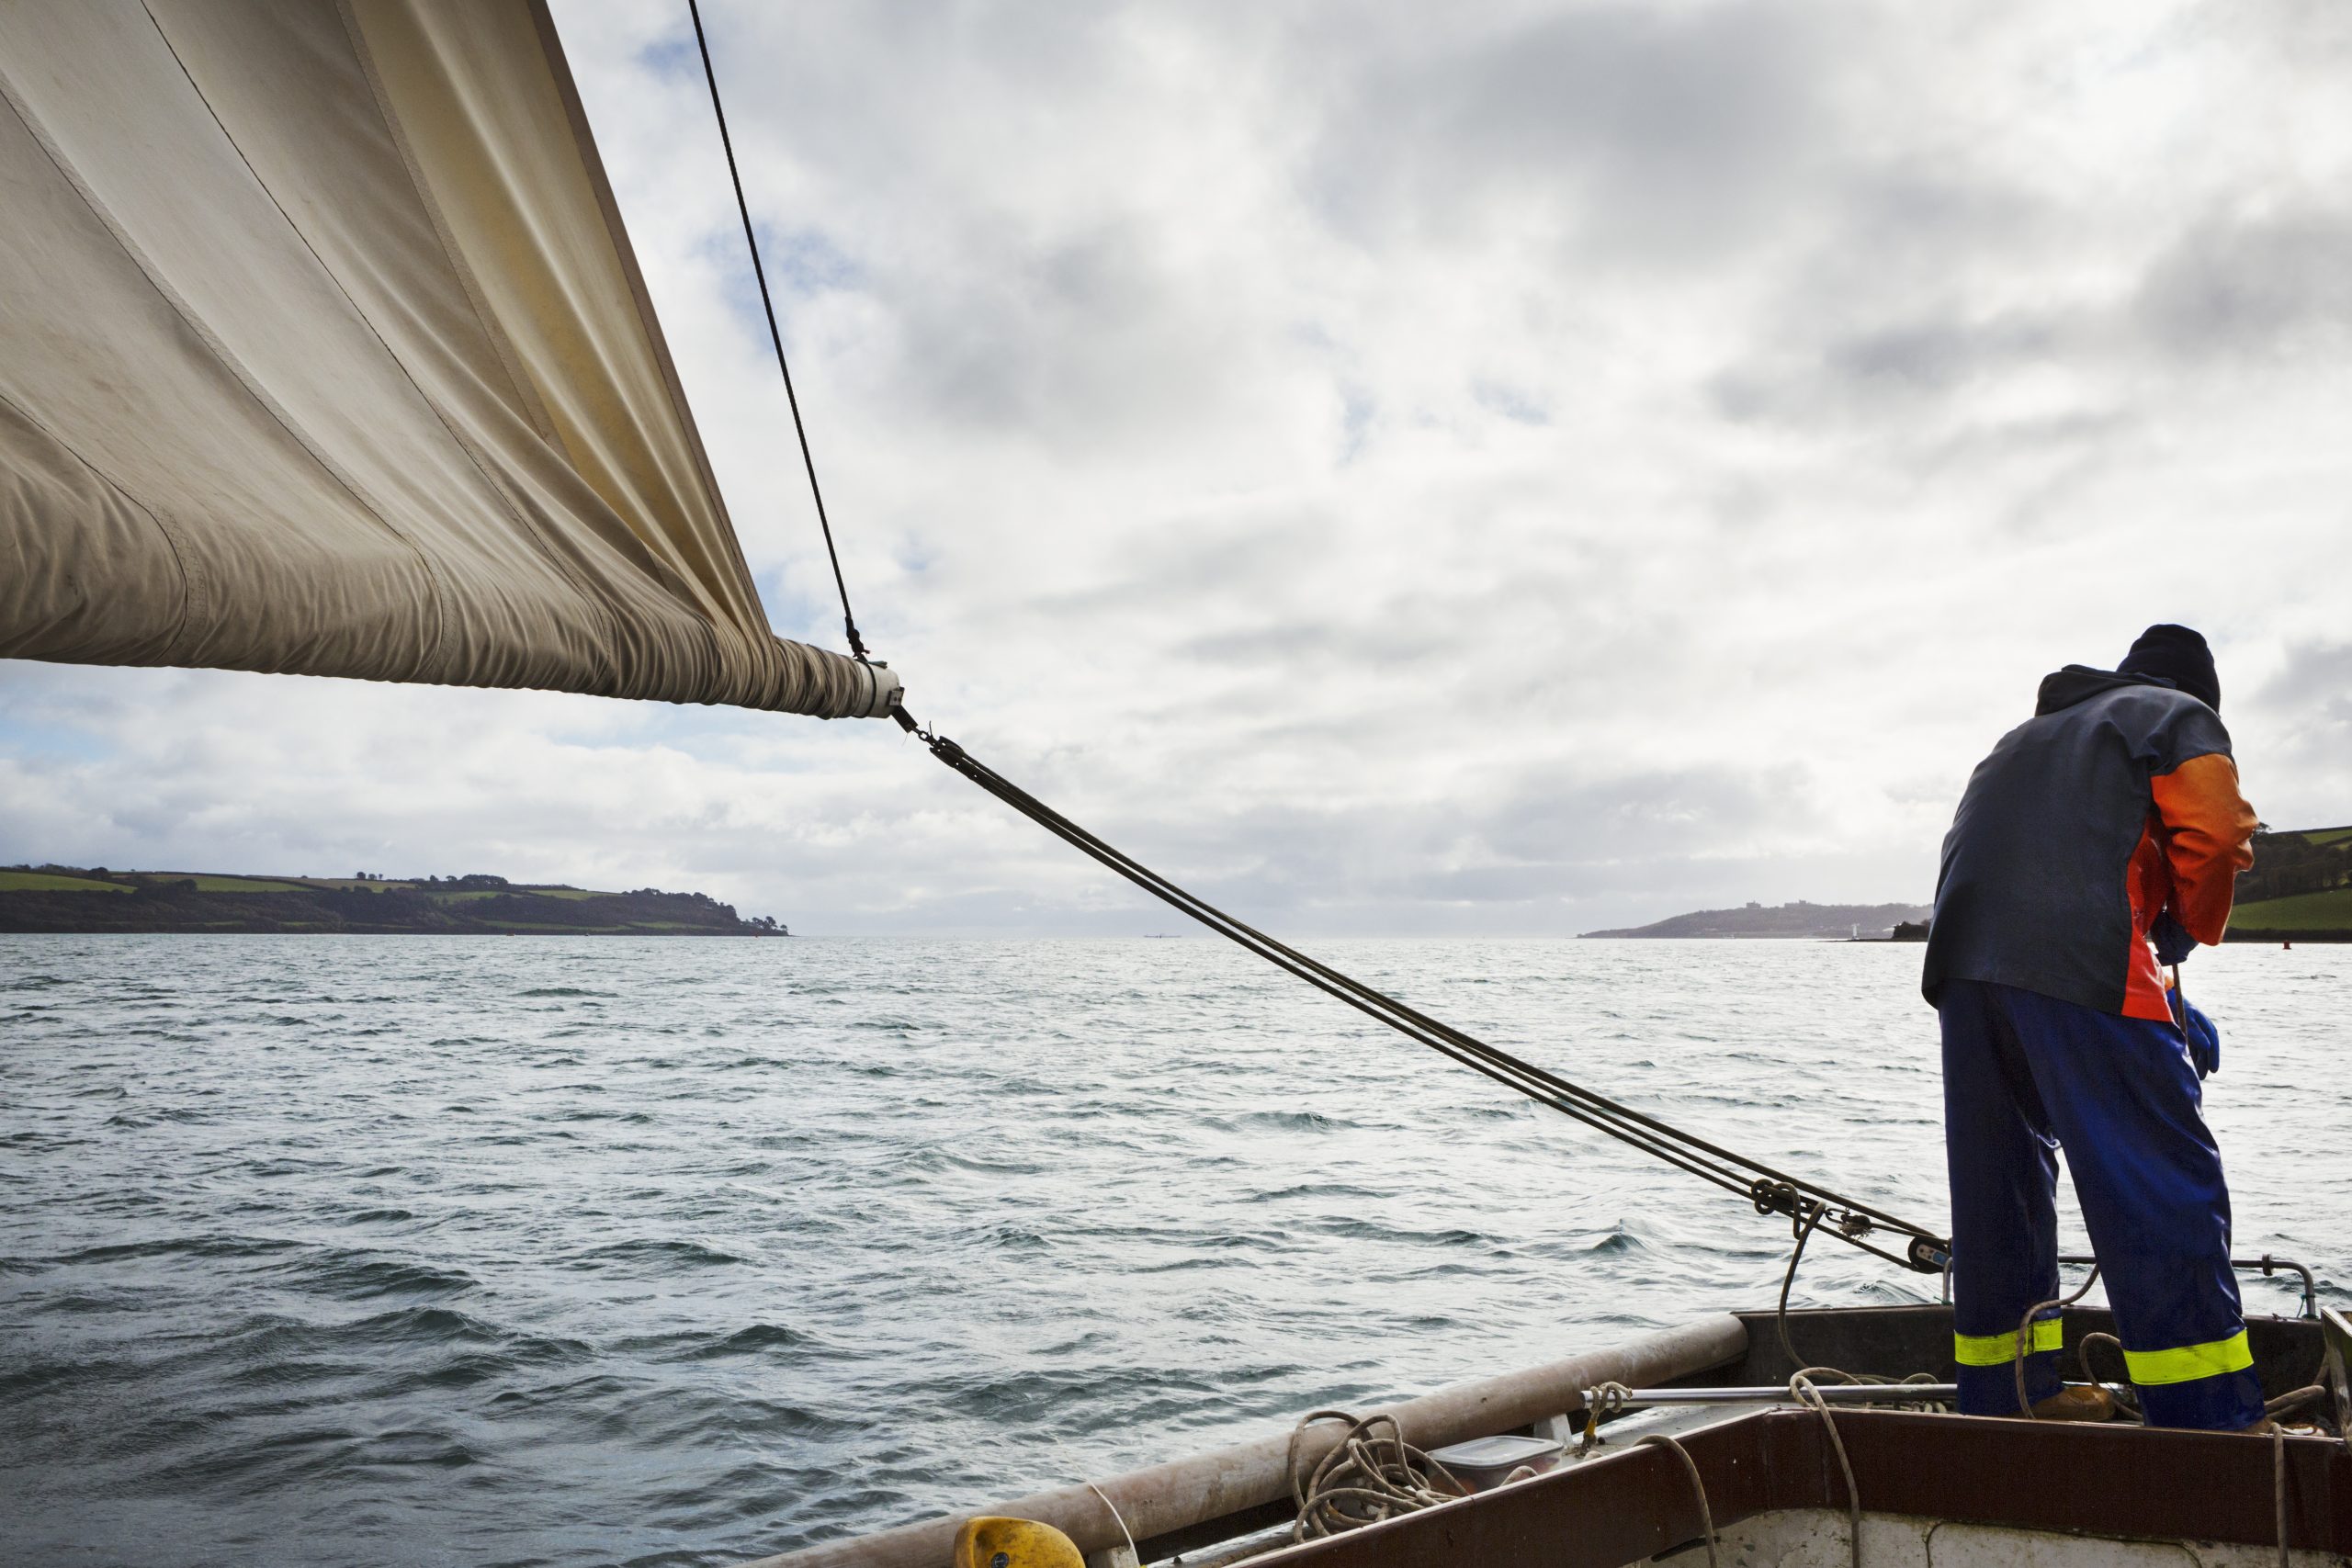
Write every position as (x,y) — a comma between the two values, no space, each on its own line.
(42,882)
(468,895)
(2328,836)
(2328,911)
(50,899)
(212,882)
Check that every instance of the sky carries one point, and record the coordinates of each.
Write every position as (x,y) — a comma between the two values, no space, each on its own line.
(1507,469)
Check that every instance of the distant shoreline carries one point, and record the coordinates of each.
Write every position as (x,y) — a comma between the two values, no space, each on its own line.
(77,901)
(1800,922)
(2299,890)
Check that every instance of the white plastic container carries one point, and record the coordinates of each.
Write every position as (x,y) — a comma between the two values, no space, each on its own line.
(1483,1462)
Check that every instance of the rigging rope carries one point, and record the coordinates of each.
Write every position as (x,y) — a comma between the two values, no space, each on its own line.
(1769,1189)
(1771,1192)
(742,209)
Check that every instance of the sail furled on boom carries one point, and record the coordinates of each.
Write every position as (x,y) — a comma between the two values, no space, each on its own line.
(322,350)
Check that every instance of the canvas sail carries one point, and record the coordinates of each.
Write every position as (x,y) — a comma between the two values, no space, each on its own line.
(322,350)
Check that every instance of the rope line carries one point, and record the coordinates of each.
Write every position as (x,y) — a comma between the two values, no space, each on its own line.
(1796,1256)
(2123,1389)
(2278,1490)
(1770,1189)
(2022,1346)
(776,337)
(1118,1518)
(1698,1488)
(1371,1474)
(1800,1386)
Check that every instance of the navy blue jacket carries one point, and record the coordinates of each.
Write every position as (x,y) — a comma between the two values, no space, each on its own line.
(2116,802)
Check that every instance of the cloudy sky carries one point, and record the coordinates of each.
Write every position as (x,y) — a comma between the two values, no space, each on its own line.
(1545,468)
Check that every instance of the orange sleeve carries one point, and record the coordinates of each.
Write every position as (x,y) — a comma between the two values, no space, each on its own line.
(2208,829)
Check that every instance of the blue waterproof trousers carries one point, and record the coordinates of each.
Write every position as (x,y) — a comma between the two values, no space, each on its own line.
(2024,1075)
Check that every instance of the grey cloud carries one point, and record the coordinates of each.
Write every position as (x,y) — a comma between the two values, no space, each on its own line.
(1919,218)
(2312,36)
(1935,357)
(1533,850)
(1891,370)
(1502,468)
(2308,703)
(2227,290)
(1372,641)
(1662,133)
(2274,287)
(2293,736)
(1622,826)
(1052,337)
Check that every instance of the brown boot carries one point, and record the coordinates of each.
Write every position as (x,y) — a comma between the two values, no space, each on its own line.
(2080,1403)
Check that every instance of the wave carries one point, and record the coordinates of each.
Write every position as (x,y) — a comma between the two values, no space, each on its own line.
(662,1255)
(795,1241)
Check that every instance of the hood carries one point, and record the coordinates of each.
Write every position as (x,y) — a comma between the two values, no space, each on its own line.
(2080,683)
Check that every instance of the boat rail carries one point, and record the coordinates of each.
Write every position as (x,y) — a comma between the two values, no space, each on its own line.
(1186,1504)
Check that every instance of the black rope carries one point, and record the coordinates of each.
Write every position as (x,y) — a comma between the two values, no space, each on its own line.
(849,621)
(1771,1191)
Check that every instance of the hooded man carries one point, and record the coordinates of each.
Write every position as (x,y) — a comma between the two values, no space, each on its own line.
(2107,826)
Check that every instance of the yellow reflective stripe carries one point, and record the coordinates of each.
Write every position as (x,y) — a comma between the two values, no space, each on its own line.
(2191,1361)
(2000,1349)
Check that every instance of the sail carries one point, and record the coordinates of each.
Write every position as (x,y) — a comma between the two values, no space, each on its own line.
(322,350)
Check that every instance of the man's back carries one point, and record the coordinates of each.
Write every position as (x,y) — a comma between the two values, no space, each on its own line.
(2047,882)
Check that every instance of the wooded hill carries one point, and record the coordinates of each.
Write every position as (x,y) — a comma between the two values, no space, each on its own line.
(2300,887)
(79,899)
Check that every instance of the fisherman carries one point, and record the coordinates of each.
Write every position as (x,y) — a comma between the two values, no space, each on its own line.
(2098,843)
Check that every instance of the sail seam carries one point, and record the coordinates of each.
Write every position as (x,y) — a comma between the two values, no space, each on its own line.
(219,350)
(525,392)
(443,617)
(527,395)
(607,672)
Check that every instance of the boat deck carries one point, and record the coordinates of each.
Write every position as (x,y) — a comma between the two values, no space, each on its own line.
(1926,1481)
(1918,1477)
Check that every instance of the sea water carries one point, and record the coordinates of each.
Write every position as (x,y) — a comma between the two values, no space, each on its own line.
(375,1250)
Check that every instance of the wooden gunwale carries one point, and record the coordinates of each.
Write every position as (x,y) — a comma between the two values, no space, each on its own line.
(1227,1491)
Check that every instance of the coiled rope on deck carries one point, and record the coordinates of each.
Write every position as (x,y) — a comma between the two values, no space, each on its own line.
(1371,1474)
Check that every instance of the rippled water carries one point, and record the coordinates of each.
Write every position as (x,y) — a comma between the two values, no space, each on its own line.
(393,1250)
